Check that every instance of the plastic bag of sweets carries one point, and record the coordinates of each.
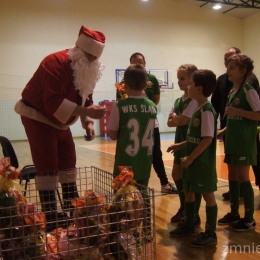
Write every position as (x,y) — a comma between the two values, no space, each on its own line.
(126,214)
(91,218)
(128,202)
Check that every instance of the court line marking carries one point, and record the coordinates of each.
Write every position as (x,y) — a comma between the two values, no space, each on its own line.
(98,150)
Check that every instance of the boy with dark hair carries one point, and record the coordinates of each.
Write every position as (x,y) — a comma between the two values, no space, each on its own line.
(152,91)
(199,174)
(131,123)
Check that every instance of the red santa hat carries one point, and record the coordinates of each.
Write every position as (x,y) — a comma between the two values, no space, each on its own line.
(92,42)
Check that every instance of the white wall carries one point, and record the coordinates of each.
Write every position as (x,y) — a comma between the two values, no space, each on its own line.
(169,33)
(251,40)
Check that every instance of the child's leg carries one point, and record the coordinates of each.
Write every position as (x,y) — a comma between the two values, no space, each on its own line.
(198,197)
(187,227)
(190,208)
(233,172)
(208,237)
(233,216)
(177,177)
(211,212)
(246,187)
(246,223)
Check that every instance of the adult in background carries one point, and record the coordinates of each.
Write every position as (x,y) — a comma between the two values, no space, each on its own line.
(152,91)
(58,93)
(219,102)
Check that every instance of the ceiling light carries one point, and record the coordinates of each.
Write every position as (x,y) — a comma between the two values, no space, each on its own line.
(217,6)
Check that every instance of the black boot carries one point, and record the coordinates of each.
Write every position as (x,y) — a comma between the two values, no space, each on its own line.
(69,192)
(54,219)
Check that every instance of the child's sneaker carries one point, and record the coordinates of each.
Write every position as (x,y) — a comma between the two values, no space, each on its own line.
(169,188)
(228,219)
(179,216)
(242,225)
(182,230)
(204,239)
(196,221)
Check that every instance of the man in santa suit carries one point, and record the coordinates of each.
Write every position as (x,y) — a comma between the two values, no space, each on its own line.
(58,93)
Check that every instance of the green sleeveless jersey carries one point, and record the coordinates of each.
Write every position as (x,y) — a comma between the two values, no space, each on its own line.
(135,136)
(181,131)
(203,169)
(240,132)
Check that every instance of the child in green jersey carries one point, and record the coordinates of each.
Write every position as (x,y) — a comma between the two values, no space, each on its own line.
(199,166)
(242,112)
(179,117)
(131,123)
(153,93)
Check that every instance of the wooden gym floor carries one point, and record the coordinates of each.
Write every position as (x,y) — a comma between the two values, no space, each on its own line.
(231,245)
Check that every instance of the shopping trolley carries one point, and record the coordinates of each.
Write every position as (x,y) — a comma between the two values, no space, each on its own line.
(105,226)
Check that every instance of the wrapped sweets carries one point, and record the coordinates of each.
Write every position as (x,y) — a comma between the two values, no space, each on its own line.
(18,218)
(126,214)
(69,246)
(14,202)
(8,175)
(121,90)
(91,218)
(128,202)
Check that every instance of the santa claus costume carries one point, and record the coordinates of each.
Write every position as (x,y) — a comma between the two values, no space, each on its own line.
(64,81)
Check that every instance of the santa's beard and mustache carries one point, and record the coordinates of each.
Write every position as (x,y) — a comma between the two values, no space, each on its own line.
(85,73)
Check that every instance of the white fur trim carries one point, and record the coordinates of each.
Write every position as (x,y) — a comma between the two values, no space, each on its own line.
(64,111)
(49,182)
(30,112)
(68,176)
(90,45)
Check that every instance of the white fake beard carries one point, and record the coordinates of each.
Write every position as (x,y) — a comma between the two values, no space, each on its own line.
(85,73)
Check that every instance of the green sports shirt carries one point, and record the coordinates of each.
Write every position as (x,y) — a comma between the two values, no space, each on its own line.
(202,171)
(135,136)
(181,131)
(240,132)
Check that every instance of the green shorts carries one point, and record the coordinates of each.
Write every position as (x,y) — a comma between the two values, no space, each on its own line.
(199,188)
(240,160)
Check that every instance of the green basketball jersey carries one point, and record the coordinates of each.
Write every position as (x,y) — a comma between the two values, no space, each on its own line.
(240,132)
(135,136)
(181,131)
(203,169)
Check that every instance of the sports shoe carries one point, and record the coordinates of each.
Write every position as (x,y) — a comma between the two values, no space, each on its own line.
(182,230)
(169,188)
(196,222)
(179,216)
(226,195)
(243,225)
(204,239)
(228,219)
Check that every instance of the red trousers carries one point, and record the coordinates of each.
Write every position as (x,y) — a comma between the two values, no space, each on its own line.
(52,149)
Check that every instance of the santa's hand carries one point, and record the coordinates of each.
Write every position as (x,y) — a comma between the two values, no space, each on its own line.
(96,112)
(90,134)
